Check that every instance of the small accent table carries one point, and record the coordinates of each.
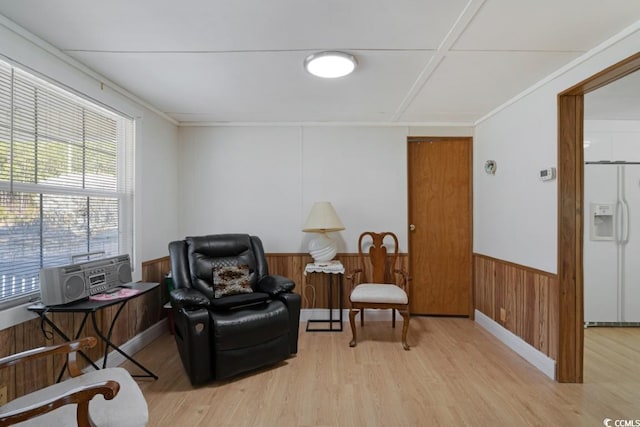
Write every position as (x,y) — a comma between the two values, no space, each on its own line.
(90,307)
(334,269)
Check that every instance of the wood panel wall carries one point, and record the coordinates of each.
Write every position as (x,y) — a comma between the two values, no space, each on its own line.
(521,299)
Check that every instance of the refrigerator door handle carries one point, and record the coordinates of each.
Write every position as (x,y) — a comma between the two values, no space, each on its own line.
(618,222)
(625,221)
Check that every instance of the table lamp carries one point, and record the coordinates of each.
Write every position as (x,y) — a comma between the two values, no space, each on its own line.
(321,220)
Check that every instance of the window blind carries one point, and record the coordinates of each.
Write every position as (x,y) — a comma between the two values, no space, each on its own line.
(66,181)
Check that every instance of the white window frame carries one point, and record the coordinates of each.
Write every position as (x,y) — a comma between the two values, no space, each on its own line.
(124,191)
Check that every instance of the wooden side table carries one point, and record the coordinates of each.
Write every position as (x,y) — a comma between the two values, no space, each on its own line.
(335,270)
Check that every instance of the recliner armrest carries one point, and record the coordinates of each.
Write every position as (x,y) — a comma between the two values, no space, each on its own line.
(274,284)
(188,298)
(293,302)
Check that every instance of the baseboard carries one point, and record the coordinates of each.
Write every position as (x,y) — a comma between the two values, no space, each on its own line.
(517,344)
(372,315)
(135,344)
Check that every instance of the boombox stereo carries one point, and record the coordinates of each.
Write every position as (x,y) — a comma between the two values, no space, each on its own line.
(62,285)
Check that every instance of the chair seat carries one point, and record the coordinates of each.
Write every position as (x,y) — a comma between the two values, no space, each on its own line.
(379,293)
(128,408)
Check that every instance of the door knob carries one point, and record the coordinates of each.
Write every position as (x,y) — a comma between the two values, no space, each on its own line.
(412,227)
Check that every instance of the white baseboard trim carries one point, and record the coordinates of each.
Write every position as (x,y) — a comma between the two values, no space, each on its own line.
(517,344)
(135,344)
(372,315)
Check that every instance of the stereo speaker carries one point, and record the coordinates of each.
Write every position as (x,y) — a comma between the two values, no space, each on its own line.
(58,286)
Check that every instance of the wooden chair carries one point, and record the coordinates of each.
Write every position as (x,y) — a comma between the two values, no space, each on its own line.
(388,287)
(96,398)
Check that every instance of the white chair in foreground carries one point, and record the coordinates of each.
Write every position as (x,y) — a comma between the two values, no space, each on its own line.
(106,397)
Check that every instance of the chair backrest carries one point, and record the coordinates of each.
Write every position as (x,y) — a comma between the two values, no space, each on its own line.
(193,259)
(381,263)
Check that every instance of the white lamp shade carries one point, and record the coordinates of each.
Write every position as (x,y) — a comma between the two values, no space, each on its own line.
(322,218)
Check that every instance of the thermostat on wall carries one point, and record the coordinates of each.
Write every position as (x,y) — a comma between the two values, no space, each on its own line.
(548,174)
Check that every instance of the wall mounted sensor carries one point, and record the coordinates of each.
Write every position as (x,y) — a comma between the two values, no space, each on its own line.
(490,167)
(548,174)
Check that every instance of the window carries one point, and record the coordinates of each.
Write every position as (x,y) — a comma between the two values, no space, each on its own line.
(66,187)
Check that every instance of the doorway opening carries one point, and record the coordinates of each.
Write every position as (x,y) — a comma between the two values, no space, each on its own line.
(571,216)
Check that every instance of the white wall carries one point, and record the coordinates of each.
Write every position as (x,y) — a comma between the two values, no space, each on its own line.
(241,180)
(263,180)
(611,140)
(156,188)
(515,214)
(155,222)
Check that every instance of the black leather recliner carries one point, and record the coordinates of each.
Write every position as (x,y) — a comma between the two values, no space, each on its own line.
(222,336)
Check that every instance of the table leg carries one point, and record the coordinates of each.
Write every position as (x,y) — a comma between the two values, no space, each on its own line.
(331,321)
(331,301)
(340,284)
(64,336)
(109,343)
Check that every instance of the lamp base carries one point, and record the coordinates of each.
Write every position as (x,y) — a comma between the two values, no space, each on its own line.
(322,248)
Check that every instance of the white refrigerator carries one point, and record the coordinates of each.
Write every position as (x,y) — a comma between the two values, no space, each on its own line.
(611,243)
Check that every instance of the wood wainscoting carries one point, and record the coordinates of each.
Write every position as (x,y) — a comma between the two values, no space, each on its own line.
(521,299)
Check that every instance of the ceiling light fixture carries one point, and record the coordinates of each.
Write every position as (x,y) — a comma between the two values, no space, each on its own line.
(330,65)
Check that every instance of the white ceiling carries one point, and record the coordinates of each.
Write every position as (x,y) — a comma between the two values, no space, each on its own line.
(422,61)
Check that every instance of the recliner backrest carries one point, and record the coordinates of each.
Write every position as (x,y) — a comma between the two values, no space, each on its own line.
(206,252)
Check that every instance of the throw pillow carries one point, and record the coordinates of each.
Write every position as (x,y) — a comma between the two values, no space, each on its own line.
(231,280)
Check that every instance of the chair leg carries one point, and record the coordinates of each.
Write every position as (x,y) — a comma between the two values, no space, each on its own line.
(405,328)
(362,317)
(352,322)
(393,317)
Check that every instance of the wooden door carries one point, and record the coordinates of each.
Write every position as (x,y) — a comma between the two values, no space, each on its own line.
(440,221)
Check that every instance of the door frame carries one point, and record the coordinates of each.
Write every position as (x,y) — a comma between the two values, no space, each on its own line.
(571,217)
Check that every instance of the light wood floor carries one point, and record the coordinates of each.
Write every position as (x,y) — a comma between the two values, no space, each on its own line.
(455,374)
